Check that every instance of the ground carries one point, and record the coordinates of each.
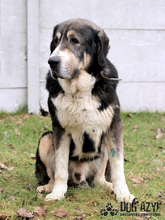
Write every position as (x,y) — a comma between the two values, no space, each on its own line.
(144,142)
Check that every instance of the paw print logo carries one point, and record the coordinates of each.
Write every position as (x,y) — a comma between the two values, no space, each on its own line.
(103,212)
(114,212)
(109,209)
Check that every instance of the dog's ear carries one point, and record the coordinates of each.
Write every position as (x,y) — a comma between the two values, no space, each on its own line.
(52,44)
(103,48)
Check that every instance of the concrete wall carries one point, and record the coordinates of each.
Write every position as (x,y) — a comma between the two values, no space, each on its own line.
(137,37)
(13,58)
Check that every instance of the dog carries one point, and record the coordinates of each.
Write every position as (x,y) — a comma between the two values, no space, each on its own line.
(85,113)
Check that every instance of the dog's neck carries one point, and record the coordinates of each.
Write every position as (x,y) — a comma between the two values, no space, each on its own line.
(83,83)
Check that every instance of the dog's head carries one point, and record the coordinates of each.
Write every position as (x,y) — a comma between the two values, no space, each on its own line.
(77,45)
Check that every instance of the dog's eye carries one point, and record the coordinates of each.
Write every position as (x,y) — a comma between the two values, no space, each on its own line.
(74,40)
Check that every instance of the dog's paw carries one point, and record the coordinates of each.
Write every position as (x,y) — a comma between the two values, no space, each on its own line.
(103,212)
(58,193)
(122,193)
(45,188)
(109,186)
(54,196)
(125,197)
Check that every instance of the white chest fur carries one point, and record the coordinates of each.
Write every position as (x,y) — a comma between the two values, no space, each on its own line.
(81,111)
(77,111)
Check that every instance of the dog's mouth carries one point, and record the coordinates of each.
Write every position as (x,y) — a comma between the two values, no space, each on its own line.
(53,74)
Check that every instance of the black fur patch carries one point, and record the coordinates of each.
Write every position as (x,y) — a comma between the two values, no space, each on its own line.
(72,148)
(57,128)
(88,145)
(53,86)
(106,90)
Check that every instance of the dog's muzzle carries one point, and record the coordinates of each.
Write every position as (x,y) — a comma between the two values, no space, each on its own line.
(53,62)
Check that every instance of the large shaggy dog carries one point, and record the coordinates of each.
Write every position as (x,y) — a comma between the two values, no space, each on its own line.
(85,113)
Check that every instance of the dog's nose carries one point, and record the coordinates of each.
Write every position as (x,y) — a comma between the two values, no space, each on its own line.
(54,61)
(78,176)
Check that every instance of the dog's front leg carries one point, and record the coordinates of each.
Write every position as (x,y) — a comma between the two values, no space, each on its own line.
(61,170)
(116,158)
(118,178)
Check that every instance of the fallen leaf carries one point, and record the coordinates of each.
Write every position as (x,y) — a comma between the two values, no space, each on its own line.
(136,126)
(137,179)
(61,213)
(17,132)
(139,161)
(162,202)
(129,115)
(29,188)
(160,134)
(33,156)
(160,169)
(38,211)
(1,189)
(160,147)
(45,128)
(2,166)
(3,217)
(23,212)
(24,116)
(135,185)
(95,204)
(160,195)
(19,123)
(10,146)
(138,218)
(82,216)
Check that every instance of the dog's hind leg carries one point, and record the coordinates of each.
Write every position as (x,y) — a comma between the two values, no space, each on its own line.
(44,165)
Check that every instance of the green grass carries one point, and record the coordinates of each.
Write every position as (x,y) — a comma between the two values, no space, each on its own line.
(19,134)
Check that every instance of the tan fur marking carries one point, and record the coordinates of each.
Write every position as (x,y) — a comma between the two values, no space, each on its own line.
(58,35)
(71,33)
(45,147)
(45,150)
(85,63)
